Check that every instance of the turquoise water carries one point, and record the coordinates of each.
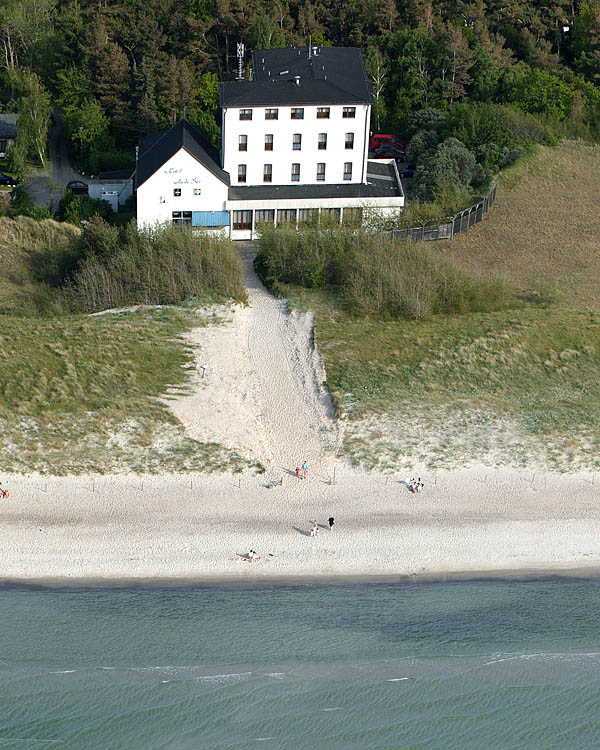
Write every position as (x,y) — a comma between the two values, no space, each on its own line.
(430,665)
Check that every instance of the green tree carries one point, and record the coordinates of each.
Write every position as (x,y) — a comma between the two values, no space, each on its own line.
(34,114)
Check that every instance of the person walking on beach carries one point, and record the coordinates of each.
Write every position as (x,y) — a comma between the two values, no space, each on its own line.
(315,528)
(304,469)
(330,522)
(297,472)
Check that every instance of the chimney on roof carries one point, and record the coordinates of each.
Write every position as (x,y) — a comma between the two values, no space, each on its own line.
(297,80)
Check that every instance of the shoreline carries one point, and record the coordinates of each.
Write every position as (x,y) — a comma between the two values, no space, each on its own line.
(525,575)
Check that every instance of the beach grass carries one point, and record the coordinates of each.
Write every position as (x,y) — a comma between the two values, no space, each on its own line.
(87,394)
(517,386)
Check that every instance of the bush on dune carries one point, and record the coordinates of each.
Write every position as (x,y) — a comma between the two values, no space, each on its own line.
(373,276)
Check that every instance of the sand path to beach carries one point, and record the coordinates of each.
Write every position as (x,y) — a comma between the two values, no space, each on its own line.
(259,387)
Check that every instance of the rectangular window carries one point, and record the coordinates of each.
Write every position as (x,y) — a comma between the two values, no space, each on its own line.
(177,192)
(286,216)
(347,170)
(181,218)
(241,173)
(297,141)
(297,113)
(349,140)
(271,114)
(242,219)
(268,142)
(321,171)
(352,217)
(242,143)
(265,216)
(330,215)
(268,173)
(197,191)
(295,173)
(322,141)
(245,114)
(322,113)
(309,216)
(349,112)
(2,147)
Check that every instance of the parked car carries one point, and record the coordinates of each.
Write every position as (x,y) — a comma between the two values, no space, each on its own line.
(384,139)
(6,179)
(389,152)
(77,187)
(406,171)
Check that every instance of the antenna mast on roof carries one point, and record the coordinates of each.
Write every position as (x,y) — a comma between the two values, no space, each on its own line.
(240,57)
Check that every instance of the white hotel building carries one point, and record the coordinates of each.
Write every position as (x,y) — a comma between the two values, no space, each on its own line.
(295,143)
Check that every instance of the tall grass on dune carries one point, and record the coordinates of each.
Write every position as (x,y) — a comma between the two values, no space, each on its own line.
(374,276)
(157,266)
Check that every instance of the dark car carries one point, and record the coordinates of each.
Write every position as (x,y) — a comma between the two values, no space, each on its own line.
(389,152)
(6,179)
(406,171)
(77,187)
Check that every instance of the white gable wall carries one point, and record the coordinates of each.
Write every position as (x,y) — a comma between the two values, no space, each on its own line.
(156,200)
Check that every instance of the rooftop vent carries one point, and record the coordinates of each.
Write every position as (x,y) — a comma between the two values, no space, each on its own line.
(297,80)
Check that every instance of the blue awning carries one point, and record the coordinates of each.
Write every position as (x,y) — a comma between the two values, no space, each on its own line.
(210,218)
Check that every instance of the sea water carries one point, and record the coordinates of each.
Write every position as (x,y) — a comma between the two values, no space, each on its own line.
(483,665)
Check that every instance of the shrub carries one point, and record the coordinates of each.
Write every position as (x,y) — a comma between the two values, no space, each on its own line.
(113,267)
(76,208)
(373,276)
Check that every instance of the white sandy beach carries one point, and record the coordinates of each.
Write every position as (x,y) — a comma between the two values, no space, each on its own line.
(262,394)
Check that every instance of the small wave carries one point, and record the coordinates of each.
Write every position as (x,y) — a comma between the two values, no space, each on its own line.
(339,708)
(64,671)
(262,739)
(222,677)
(398,679)
(276,675)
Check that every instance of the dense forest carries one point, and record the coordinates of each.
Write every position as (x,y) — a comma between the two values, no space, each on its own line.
(467,84)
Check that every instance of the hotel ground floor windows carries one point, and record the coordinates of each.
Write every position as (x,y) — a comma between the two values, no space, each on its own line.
(286,216)
(330,215)
(181,218)
(351,216)
(309,216)
(242,219)
(264,216)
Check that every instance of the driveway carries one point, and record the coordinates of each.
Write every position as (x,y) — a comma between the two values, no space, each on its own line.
(46,188)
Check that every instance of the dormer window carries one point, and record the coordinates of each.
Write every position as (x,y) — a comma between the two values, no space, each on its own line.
(297,113)
(349,112)
(271,114)
(322,113)
(245,114)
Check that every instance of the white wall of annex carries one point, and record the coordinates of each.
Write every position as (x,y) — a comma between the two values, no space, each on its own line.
(283,155)
(156,200)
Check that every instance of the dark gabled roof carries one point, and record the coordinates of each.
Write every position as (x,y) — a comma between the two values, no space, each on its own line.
(334,75)
(157,149)
(8,125)
(382,183)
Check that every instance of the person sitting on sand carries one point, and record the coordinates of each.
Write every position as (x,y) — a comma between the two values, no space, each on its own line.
(315,529)
(253,556)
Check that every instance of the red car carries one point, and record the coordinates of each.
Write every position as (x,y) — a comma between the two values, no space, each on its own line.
(381,139)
